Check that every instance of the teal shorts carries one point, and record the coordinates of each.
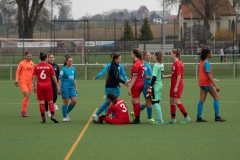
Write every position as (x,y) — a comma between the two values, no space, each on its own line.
(206,88)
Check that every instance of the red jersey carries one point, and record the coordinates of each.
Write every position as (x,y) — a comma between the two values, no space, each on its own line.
(202,77)
(44,72)
(177,69)
(119,109)
(137,69)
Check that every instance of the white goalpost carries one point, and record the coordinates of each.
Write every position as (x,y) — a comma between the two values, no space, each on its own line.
(55,46)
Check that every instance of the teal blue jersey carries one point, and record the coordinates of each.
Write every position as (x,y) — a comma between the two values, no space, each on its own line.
(147,72)
(158,70)
(67,76)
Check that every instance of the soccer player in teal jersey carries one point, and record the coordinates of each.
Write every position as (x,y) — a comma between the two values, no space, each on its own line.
(146,80)
(156,86)
(67,82)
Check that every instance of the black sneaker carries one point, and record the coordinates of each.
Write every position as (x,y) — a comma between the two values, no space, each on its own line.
(43,120)
(54,119)
(219,119)
(200,120)
(135,122)
(94,121)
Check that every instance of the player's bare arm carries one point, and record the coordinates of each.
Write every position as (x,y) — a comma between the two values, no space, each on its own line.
(211,79)
(34,83)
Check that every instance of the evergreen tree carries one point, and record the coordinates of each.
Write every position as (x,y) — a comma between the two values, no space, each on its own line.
(128,32)
(145,30)
(1,19)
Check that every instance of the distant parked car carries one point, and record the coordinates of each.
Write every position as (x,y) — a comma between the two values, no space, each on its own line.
(191,46)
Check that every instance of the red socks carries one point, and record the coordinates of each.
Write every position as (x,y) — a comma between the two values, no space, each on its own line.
(182,109)
(136,109)
(42,110)
(173,111)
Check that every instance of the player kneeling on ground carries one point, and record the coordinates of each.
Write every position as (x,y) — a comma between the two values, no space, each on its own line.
(119,108)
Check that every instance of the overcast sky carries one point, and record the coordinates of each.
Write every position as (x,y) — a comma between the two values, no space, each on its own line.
(81,7)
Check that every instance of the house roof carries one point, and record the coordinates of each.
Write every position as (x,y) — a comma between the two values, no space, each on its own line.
(223,8)
(158,16)
(171,17)
(143,9)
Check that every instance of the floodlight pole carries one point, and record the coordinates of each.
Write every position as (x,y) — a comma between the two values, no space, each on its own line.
(163,28)
(191,35)
(214,33)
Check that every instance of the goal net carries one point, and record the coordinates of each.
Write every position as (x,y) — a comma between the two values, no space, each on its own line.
(58,47)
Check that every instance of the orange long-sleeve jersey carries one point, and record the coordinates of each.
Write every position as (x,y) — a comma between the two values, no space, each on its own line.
(24,72)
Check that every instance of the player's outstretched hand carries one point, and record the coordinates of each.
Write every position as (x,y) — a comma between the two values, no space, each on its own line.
(94,78)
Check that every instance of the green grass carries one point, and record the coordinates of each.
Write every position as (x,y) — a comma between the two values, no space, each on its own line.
(27,138)
(220,70)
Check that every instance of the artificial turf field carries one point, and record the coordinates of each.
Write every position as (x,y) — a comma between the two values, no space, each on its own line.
(27,138)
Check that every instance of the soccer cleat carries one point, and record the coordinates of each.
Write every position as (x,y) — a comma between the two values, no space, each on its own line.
(54,119)
(94,121)
(185,120)
(199,119)
(219,119)
(171,121)
(157,121)
(55,107)
(135,122)
(43,120)
(95,117)
(48,113)
(151,120)
(24,114)
(132,115)
(65,119)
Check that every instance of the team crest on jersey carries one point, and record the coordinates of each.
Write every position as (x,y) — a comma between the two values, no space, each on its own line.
(61,72)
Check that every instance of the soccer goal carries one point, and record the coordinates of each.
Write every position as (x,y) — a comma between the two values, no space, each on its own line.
(58,47)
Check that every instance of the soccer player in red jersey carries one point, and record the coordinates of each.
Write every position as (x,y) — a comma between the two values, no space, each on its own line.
(119,108)
(43,75)
(136,86)
(24,80)
(206,85)
(176,87)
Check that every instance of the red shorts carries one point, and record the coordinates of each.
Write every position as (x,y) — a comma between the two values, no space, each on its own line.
(44,92)
(137,89)
(113,120)
(179,93)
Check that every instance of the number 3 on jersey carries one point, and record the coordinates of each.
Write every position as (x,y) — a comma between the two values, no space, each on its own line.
(43,75)
(124,107)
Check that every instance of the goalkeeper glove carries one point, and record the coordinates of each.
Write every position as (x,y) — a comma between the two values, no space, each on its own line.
(149,90)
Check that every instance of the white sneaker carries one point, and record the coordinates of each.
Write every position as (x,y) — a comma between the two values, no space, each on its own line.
(55,107)
(95,117)
(65,120)
(48,113)
(68,117)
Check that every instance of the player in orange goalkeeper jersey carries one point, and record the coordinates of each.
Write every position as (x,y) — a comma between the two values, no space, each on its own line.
(24,80)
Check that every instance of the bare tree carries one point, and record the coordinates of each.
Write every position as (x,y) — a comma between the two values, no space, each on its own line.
(27,13)
(205,8)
